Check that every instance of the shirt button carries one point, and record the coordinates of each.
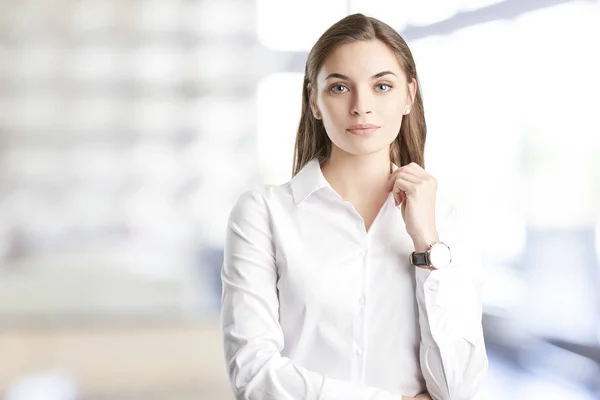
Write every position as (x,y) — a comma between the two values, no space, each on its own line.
(362,301)
(357,351)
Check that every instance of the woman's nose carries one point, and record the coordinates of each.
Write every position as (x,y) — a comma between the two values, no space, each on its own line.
(361,104)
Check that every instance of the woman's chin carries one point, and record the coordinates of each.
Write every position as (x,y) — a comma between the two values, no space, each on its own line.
(364,148)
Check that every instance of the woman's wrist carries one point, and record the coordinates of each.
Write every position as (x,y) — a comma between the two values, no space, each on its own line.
(422,242)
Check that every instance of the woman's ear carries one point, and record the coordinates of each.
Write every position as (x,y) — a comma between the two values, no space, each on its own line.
(313,107)
(412,94)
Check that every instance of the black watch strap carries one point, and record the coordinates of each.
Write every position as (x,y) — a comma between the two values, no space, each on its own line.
(418,258)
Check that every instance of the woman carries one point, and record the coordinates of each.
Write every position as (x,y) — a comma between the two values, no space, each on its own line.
(336,284)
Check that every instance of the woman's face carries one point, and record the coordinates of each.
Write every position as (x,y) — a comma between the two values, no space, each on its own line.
(361,83)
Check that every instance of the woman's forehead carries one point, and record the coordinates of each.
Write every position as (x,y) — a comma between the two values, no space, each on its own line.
(361,60)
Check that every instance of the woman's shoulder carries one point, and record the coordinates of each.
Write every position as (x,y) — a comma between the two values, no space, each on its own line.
(267,192)
(261,197)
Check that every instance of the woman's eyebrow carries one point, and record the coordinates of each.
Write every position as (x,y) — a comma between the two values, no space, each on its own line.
(340,76)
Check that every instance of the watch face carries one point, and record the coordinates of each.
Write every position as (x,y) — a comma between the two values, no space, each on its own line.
(439,255)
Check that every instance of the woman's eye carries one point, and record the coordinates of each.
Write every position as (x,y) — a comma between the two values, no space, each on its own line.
(385,87)
(338,88)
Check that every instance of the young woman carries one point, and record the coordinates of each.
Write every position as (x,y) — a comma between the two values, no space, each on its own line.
(348,282)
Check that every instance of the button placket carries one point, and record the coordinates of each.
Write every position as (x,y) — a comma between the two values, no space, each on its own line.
(359,337)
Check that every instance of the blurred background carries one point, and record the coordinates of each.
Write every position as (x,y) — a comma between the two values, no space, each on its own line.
(128,129)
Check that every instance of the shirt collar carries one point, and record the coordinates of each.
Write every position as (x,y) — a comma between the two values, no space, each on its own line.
(310,179)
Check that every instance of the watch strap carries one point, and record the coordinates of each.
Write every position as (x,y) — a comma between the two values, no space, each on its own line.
(418,258)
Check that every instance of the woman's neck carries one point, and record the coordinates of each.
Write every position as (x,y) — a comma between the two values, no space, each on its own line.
(358,178)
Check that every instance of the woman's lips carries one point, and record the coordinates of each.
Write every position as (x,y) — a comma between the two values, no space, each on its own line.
(367,131)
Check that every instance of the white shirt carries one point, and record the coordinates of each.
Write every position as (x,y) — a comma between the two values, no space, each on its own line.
(315,307)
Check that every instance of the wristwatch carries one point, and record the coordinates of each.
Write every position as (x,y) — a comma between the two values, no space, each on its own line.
(438,256)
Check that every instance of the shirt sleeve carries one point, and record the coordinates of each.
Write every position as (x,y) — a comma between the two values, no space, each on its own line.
(452,350)
(253,338)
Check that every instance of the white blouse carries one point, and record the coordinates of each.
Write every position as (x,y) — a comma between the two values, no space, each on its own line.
(315,307)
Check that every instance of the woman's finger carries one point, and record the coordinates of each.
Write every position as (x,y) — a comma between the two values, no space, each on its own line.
(401,175)
(413,170)
(401,185)
(416,169)
(406,175)
(401,189)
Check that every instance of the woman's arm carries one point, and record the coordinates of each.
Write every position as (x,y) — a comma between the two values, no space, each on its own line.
(452,353)
(253,338)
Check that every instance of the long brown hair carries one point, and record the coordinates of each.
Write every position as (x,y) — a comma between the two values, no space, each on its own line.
(311,138)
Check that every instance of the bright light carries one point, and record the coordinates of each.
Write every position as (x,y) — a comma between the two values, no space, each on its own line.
(597,241)
(429,12)
(296,25)
(279,106)
(393,13)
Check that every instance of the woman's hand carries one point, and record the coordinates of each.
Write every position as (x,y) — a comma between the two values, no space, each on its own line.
(416,190)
